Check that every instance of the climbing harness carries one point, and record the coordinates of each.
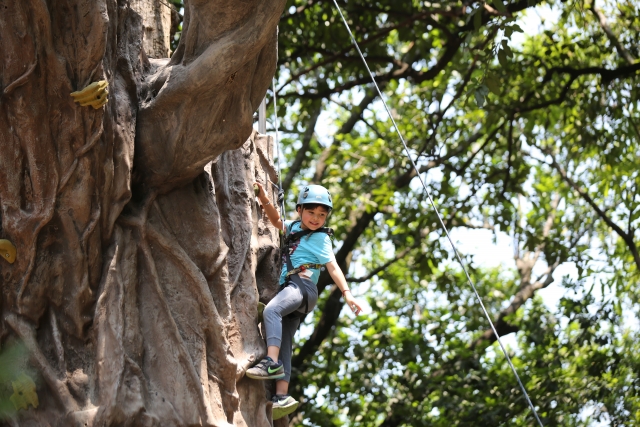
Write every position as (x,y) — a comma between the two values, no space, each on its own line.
(303,268)
(292,274)
(428,194)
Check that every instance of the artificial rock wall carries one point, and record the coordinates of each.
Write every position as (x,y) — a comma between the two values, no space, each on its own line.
(138,238)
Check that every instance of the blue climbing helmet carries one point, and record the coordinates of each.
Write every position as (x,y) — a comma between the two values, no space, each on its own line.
(315,194)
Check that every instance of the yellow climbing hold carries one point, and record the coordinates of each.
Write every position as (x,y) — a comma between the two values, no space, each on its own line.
(94,95)
(7,250)
(24,392)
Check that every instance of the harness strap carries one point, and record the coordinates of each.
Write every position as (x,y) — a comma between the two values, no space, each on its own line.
(292,237)
(304,267)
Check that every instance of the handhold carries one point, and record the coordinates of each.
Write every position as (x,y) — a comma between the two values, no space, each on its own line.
(94,95)
(7,251)
(24,392)
(261,307)
(256,189)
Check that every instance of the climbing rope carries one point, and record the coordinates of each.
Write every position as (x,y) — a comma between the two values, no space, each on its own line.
(280,190)
(169,6)
(428,193)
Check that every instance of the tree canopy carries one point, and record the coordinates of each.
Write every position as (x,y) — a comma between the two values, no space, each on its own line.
(532,135)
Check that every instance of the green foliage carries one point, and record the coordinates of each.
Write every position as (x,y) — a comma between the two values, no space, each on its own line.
(176,18)
(13,371)
(486,118)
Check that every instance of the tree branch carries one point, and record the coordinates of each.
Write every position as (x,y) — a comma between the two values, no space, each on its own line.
(527,289)
(347,127)
(330,314)
(523,295)
(556,101)
(509,155)
(374,37)
(300,9)
(627,238)
(439,115)
(404,73)
(610,34)
(488,15)
(607,75)
(383,266)
(634,126)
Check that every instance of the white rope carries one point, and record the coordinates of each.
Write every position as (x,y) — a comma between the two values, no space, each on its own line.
(428,193)
(275,113)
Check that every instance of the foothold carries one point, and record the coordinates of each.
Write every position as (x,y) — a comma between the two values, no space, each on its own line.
(24,392)
(7,251)
(261,307)
(94,95)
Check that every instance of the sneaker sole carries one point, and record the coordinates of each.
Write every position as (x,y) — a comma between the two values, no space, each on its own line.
(283,411)
(262,377)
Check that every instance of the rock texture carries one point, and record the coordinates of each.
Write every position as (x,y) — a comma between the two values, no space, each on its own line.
(138,236)
(156,18)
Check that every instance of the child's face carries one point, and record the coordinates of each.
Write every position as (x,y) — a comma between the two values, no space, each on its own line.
(314,218)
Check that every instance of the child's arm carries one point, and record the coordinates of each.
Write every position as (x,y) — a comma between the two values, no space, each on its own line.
(269,209)
(338,277)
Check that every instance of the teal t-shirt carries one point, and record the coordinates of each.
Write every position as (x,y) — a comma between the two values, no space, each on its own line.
(314,248)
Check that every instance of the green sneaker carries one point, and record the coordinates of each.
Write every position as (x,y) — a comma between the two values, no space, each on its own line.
(283,404)
(266,369)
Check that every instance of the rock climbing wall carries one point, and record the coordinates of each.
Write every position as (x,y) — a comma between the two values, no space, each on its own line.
(137,234)
(156,26)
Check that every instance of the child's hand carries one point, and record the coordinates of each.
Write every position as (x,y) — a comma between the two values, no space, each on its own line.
(261,194)
(352,303)
(271,211)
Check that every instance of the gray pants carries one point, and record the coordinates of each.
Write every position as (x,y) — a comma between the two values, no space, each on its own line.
(281,328)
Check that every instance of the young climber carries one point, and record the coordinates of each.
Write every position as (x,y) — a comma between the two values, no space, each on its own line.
(306,253)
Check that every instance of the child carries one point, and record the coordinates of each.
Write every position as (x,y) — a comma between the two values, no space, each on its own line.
(298,292)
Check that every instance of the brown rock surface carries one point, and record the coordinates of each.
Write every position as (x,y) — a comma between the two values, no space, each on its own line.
(134,287)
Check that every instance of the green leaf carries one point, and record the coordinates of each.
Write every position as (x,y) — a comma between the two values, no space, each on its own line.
(502,58)
(506,48)
(499,5)
(516,28)
(479,95)
(492,84)
(492,118)
(477,19)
